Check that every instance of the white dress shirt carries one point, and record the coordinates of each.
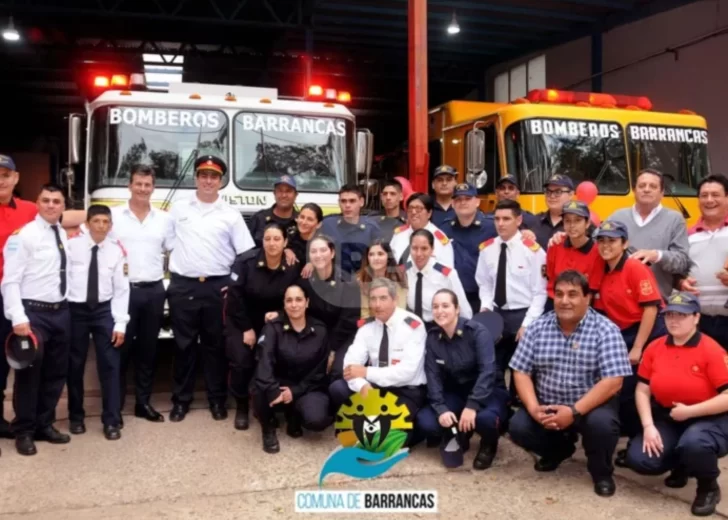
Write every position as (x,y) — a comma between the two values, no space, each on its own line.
(113,281)
(443,250)
(435,276)
(145,241)
(643,222)
(207,238)
(406,337)
(32,268)
(525,277)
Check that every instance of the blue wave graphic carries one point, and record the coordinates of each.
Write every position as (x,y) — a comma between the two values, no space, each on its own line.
(359,463)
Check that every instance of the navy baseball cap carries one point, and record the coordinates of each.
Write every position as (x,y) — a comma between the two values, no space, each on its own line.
(507,178)
(577,207)
(211,163)
(7,162)
(444,170)
(465,190)
(612,229)
(560,180)
(287,180)
(682,302)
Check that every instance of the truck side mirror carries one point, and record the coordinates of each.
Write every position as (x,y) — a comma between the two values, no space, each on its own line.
(364,152)
(475,151)
(74,139)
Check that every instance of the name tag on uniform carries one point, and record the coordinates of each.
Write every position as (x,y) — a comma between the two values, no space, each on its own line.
(395,361)
(440,361)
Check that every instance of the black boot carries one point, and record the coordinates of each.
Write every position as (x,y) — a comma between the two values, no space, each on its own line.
(486,454)
(706,498)
(678,478)
(242,422)
(293,425)
(270,440)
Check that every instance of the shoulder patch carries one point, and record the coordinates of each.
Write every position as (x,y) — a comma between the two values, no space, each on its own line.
(74,234)
(16,231)
(121,246)
(412,322)
(401,228)
(531,244)
(441,268)
(442,237)
(364,321)
(485,244)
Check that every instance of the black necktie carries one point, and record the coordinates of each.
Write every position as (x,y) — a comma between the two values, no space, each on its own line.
(92,288)
(418,296)
(62,251)
(384,348)
(500,279)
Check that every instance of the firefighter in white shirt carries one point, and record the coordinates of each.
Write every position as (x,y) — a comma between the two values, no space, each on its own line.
(388,352)
(511,274)
(426,276)
(98,295)
(419,213)
(208,235)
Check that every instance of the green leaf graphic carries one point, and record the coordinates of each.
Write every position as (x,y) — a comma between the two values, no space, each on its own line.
(393,443)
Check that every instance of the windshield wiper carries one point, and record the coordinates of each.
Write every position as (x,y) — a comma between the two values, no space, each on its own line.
(679,204)
(189,163)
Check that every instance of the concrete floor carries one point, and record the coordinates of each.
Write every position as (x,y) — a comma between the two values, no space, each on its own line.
(205,469)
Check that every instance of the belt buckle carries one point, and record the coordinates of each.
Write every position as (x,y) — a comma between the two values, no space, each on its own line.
(202,279)
(56,306)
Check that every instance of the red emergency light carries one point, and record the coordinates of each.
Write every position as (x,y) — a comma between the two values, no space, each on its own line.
(119,80)
(594,99)
(101,81)
(319,93)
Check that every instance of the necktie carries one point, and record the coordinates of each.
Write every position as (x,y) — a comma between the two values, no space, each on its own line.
(418,296)
(62,251)
(384,348)
(92,288)
(500,279)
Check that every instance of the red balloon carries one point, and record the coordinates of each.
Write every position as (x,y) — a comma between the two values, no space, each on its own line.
(586,192)
(595,218)
(406,188)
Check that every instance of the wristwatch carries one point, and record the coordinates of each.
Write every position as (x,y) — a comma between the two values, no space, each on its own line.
(576,414)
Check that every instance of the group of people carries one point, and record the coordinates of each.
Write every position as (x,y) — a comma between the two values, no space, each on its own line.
(612,330)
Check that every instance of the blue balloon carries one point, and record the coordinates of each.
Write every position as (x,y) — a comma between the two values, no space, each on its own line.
(359,463)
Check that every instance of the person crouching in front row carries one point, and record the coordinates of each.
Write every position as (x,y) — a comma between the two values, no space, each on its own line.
(291,372)
(99,300)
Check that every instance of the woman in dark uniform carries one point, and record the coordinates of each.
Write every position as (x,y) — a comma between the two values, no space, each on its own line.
(463,390)
(629,296)
(379,262)
(682,399)
(260,278)
(308,223)
(291,372)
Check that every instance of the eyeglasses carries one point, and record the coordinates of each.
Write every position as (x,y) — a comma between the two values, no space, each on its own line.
(416,209)
(556,193)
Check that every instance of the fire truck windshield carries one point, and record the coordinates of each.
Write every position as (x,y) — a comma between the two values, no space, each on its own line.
(311,149)
(681,154)
(584,150)
(163,138)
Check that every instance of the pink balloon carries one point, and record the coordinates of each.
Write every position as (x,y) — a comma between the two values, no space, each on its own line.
(586,192)
(595,218)
(406,188)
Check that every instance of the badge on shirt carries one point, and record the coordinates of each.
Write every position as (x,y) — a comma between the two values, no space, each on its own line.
(442,361)
(126,269)
(395,361)
(646,287)
(543,271)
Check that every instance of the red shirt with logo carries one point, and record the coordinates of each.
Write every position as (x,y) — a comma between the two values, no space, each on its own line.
(585,259)
(688,374)
(13,216)
(626,290)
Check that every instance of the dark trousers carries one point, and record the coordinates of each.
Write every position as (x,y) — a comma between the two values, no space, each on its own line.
(196,311)
(98,323)
(716,327)
(337,367)
(512,321)
(242,360)
(474,301)
(549,305)
(695,445)
(146,311)
(489,420)
(628,416)
(599,430)
(38,388)
(311,409)
(5,329)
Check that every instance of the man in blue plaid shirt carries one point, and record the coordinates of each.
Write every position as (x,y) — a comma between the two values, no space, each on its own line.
(568,368)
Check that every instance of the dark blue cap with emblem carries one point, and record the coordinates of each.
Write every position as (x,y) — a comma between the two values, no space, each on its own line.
(7,162)
(465,190)
(682,302)
(444,170)
(612,229)
(577,207)
(210,163)
(507,178)
(287,180)
(560,180)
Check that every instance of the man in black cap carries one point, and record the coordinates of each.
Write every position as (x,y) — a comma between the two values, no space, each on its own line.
(506,188)
(443,184)
(392,215)
(558,190)
(282,212)
(209,234)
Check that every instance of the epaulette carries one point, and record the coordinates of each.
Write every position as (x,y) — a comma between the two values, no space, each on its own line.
(364,321)
(532,245)
(412,322)
(485,244)
(75,234)
(121,246)
(442,237)
(16,231)
(401,228)
(441,268)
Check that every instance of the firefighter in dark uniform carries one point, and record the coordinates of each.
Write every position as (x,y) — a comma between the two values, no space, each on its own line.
(260,279)
(308,223)
(506,188)
(208,235)
(463,390)
(282,212)
(34,290)
(392,215)
(291,373)
(468,230)
(558,190)
(682,398)
(443,184)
